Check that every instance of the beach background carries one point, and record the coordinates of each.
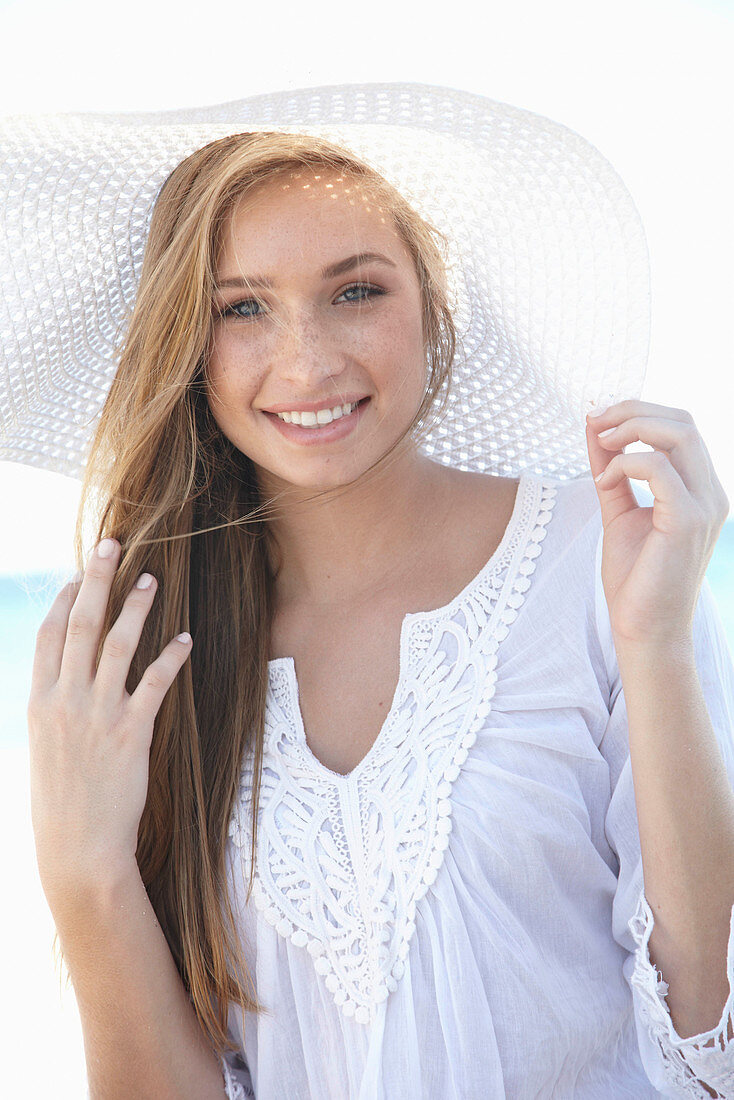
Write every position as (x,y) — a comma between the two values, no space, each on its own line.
(648,81)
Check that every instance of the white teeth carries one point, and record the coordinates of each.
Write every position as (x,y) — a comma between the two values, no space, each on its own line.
(316,419)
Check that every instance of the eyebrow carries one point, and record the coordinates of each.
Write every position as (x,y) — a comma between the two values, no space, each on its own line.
(331,271)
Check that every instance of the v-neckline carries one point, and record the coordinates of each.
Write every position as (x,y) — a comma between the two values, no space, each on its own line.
(288,664)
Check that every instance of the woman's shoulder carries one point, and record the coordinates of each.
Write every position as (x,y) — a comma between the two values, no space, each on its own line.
(489,511)
(479,494)
(563,515)
(492,498)
(483,506)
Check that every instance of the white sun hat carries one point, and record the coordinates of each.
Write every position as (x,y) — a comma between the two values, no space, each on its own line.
(547,261)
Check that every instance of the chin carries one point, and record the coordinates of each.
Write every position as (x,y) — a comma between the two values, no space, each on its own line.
(337,475)
(319,483)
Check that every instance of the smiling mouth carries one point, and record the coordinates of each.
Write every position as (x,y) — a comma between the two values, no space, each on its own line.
(319,419)
(315,420)
(335,428)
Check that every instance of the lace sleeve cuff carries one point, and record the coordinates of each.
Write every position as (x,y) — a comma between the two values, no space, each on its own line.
(699,1060)
(237,1080)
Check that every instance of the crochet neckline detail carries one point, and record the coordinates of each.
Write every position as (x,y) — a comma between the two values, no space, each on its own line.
(343,861)
(285,667)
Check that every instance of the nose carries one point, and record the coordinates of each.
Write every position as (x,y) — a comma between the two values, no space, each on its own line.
(307,355)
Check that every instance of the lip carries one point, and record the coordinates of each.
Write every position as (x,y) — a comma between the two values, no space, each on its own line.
(316,406)
(327,433)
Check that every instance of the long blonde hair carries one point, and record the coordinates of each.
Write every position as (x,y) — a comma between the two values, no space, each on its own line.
(185,505)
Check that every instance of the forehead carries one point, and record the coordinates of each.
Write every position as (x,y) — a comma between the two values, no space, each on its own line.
(309,203)
(316,184)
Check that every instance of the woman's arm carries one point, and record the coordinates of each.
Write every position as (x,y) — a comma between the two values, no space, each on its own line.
(141,1036)
(89,742)
(685,810)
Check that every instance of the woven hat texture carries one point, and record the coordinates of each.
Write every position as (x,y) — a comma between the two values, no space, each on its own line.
(548,264)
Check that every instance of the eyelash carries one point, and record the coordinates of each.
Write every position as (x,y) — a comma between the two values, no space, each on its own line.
(230,311)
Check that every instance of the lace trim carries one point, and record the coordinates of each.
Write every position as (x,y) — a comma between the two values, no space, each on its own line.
(233,1089)
(343,860)
(698,1060)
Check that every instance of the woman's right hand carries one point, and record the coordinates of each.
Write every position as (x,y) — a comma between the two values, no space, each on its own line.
(89,739)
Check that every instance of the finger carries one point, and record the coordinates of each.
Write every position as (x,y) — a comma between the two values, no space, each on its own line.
(145,701)
(599,456)
(623,498)
(624,410)
(672,499)
(680,440)
(87,615)
(124,637)
(50,639)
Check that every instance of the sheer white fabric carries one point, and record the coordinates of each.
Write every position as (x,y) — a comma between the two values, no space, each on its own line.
(463,915)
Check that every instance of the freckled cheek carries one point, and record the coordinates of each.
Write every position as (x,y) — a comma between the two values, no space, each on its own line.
(231,381)
(399,350)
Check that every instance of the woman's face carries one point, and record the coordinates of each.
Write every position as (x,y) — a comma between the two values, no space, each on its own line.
(314,330)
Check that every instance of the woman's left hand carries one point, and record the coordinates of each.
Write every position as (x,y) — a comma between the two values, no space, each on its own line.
(654,559)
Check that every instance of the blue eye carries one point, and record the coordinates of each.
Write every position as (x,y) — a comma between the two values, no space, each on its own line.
(234,309)
(372,291)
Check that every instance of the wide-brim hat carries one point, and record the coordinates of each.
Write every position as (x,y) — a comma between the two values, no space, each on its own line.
(547,261)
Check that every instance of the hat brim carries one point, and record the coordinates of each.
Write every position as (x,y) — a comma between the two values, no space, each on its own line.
(547,260)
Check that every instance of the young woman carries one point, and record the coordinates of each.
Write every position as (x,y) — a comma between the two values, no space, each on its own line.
(419,693)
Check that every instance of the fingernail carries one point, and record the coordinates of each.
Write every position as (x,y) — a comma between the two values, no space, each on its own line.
(106,548)
(144,580)
(185,638)
(598,410)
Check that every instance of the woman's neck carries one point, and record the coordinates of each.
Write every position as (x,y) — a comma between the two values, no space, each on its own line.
(363,540)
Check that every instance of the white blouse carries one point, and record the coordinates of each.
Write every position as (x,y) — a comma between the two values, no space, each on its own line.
(463,915)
